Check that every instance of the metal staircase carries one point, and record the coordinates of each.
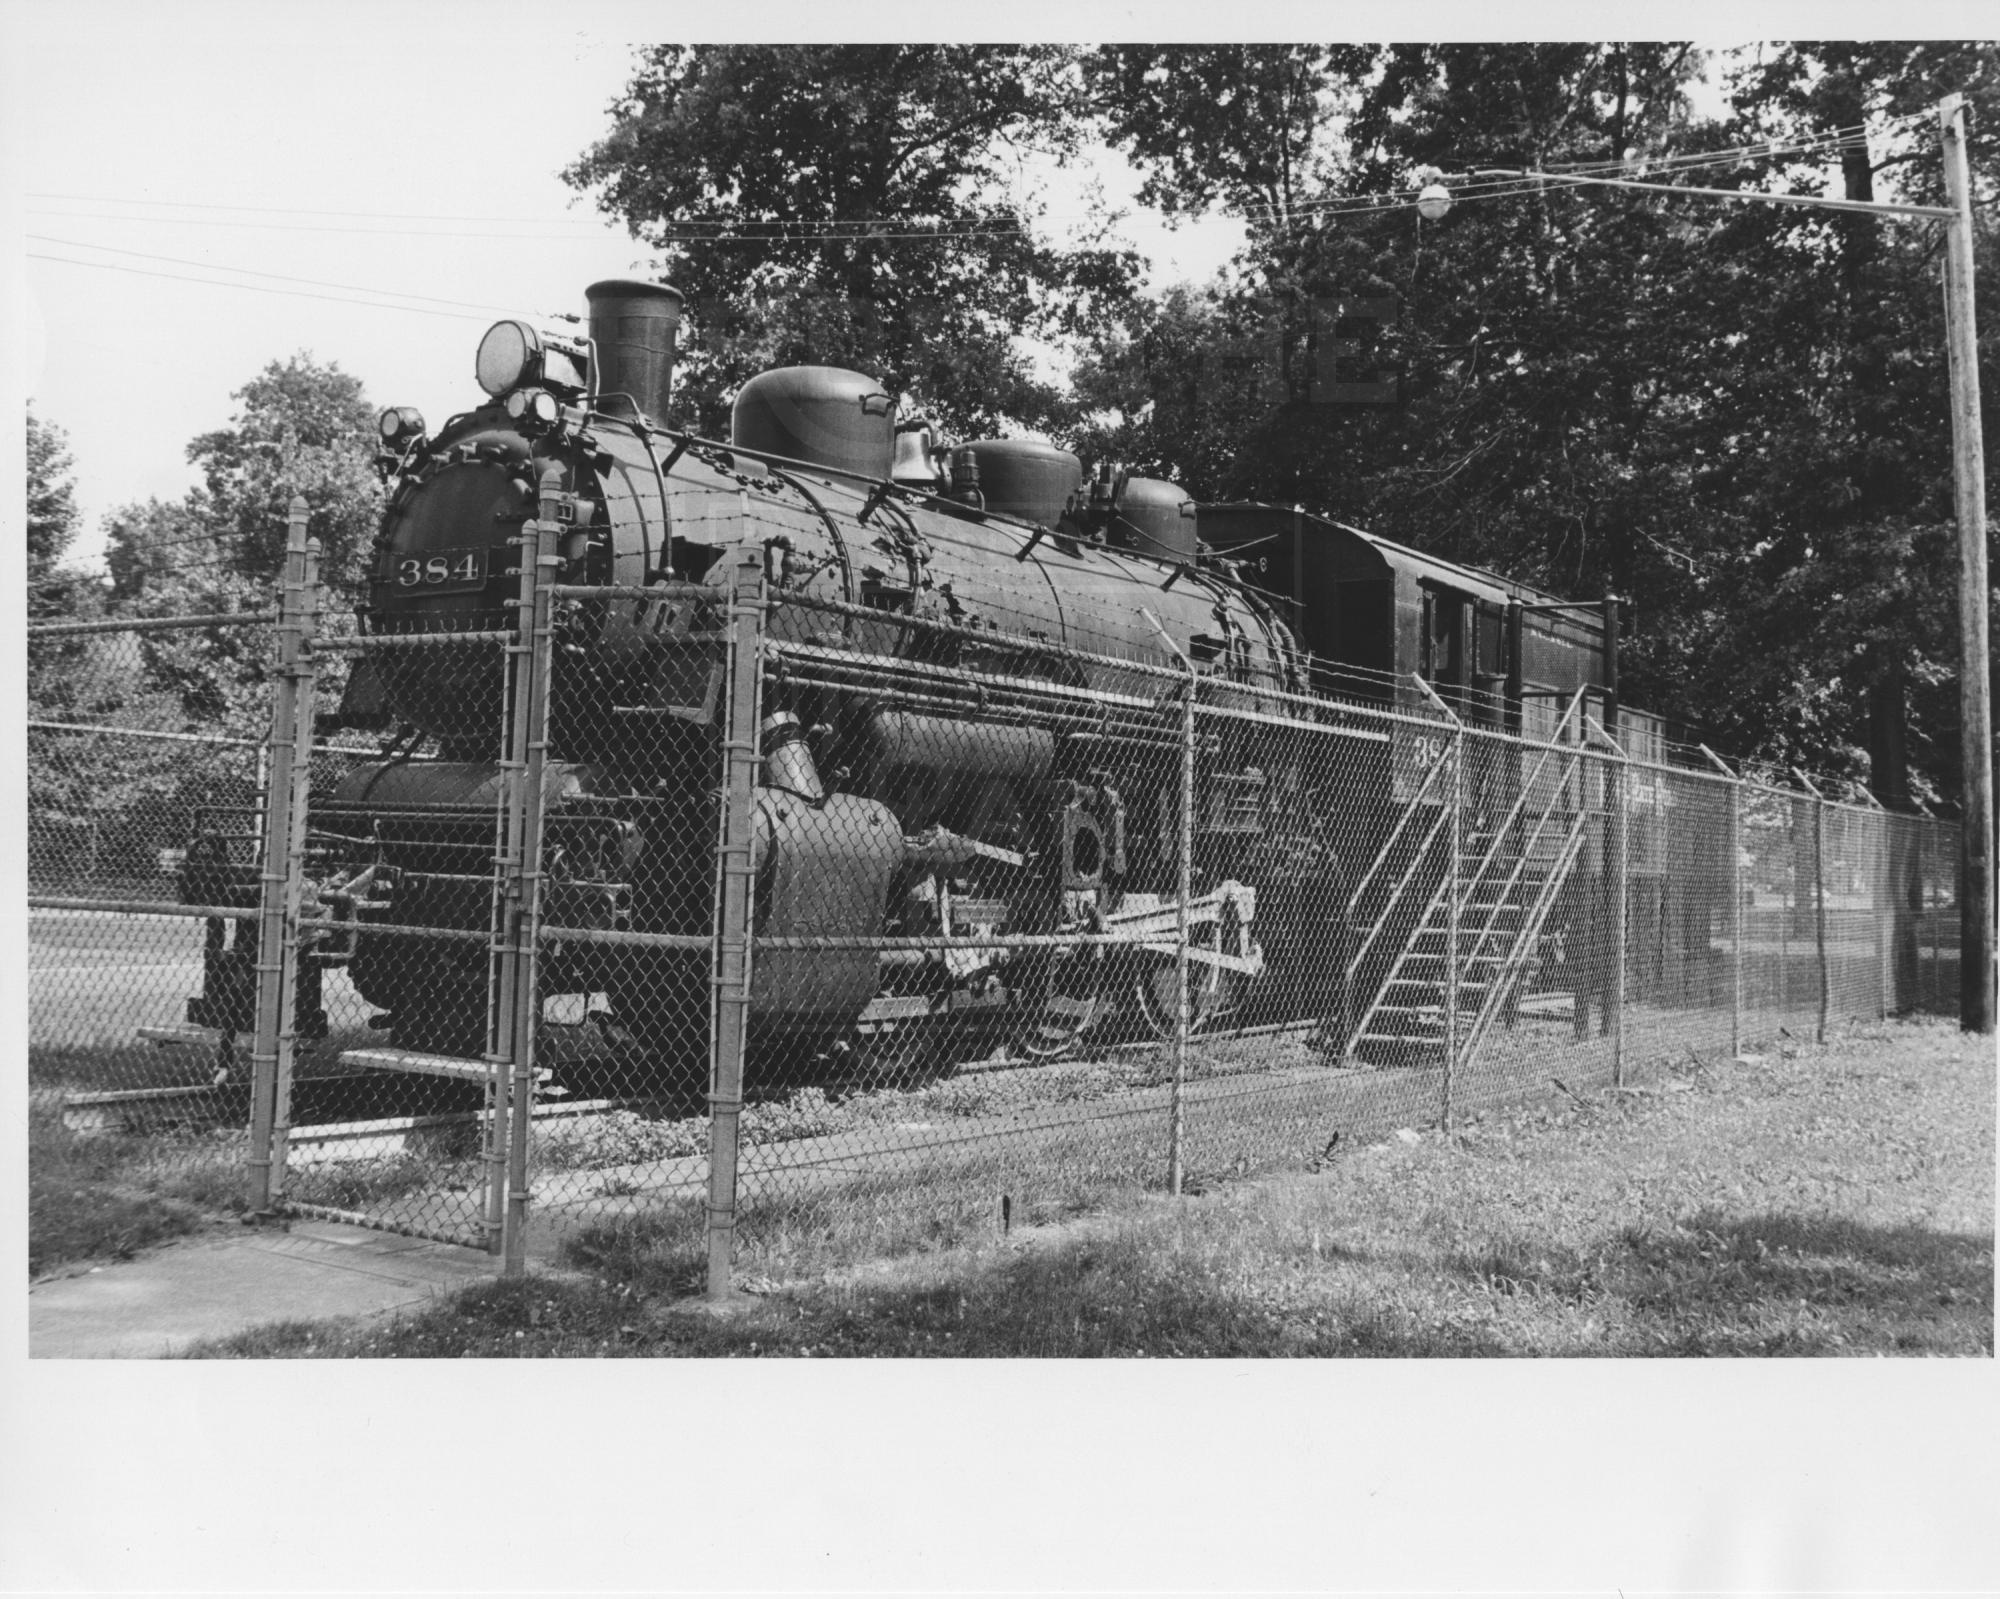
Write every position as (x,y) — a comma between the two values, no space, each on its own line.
(1473,940)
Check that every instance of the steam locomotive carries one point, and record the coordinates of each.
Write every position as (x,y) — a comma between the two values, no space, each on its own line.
(966,729)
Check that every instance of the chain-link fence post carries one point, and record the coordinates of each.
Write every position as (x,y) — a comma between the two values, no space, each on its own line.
(1736,919)
(282,869)
(1733,842)
(1454,872)
(1926,919)
(301,796)
(735,875)
(1618,891)
(1880,855)
(1184,892)
(537,623)
(1819,898)
(509,892)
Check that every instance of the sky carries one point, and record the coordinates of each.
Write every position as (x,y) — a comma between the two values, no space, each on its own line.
(304,154)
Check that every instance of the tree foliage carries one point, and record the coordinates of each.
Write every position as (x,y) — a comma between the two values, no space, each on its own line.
(856,205)
(301,427)
(1733,414)
(51,517)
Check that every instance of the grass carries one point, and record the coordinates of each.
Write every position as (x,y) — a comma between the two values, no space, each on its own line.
(1800,1201)
(106,1197)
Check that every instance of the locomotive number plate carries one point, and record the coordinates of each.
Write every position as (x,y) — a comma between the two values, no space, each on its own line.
(441,569)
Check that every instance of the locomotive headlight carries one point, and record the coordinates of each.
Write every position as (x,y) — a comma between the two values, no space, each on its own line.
(533,409)
(508,353)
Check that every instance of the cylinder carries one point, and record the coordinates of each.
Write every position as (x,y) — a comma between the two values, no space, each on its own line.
(633,325)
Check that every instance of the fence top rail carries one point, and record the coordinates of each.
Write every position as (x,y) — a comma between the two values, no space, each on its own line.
(152,624)
(1348,712)
(221,740)
(1330,729)
(1802,796)
(360,642)
(672,589)
(139,907)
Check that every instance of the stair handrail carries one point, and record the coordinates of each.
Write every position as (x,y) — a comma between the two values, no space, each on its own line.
(1538,911)
(1389,981)
(1396,894)
(1522,853)
(1551,748)
(1530,931)
(1503,895)
(1383,852)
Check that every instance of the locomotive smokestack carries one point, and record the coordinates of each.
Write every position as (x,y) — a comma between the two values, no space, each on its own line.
(632,329)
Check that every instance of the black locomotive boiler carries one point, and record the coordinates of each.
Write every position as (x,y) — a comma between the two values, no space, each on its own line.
(966,726)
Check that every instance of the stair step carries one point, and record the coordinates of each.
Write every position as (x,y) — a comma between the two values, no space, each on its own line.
(1465,937)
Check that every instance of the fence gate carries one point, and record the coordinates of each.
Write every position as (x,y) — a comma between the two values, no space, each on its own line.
(358,933)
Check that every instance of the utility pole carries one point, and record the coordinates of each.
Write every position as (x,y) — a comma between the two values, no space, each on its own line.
(1975,970)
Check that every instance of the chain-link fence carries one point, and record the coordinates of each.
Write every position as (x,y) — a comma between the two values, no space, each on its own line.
(720,902)
(145,747)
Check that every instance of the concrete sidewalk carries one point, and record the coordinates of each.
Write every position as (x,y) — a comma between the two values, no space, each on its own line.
(161,1303)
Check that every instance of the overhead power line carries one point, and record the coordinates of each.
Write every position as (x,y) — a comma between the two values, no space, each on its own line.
(257,288)
(252,272)
(725,229)
(296,210)
(301,227)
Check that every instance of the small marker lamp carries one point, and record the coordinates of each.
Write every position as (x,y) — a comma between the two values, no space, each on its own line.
(399,424)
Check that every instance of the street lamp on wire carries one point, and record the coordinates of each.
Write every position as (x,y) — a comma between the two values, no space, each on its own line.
(1976,968)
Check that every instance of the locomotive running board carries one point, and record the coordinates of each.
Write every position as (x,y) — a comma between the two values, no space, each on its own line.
(409,1060)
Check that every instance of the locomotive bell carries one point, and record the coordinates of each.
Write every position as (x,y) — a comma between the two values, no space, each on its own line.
(913,464)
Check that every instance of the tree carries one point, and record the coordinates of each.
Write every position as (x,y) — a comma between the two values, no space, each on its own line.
(1175,387)
(1860,506)
(1733,413)
(854,205)
(302,427)
(51,518)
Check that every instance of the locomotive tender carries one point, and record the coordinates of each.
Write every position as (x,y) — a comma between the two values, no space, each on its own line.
(953,744)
